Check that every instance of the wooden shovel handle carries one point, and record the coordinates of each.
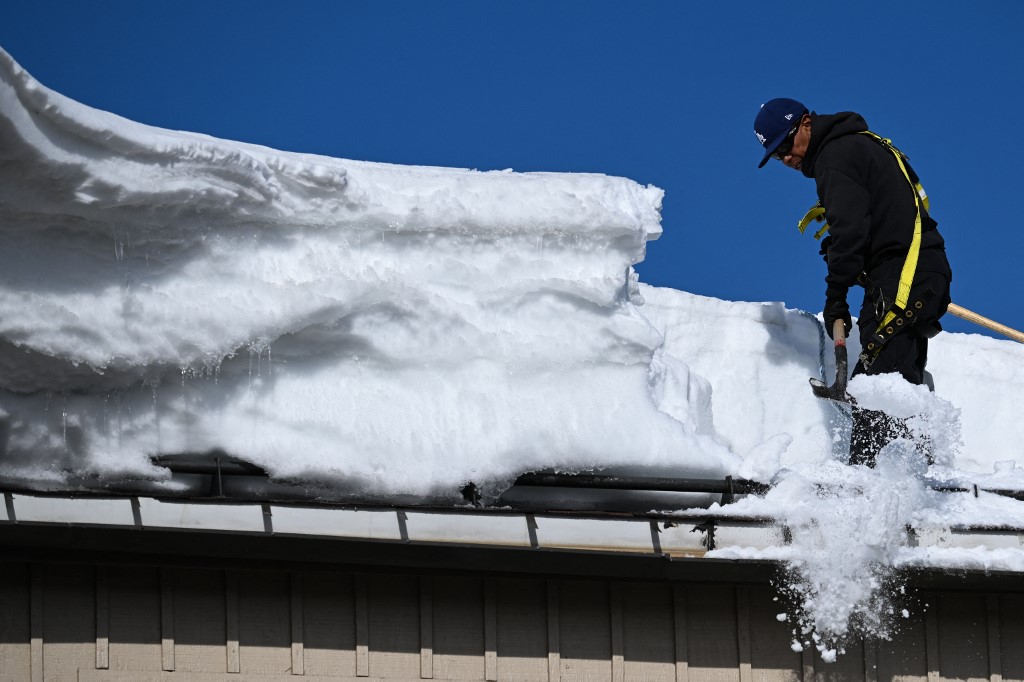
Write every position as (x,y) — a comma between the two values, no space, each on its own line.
(970,316)
(839,332)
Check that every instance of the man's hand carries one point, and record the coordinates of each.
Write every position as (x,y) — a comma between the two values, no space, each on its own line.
(837,309)
(826,243)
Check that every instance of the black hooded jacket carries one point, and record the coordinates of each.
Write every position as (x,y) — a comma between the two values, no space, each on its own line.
(869,206)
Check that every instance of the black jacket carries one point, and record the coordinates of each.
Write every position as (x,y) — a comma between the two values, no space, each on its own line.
(869,206)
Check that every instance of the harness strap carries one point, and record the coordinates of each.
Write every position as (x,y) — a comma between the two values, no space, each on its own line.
(910,264)
(897,320)
(817,212)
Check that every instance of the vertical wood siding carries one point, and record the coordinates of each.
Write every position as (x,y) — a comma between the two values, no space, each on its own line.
(101,623)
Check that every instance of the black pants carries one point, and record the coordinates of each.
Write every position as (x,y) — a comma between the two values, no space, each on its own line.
(906,353)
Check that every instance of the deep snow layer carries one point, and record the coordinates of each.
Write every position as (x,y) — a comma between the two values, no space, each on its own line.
(398,329)
(758,356)
(393,329)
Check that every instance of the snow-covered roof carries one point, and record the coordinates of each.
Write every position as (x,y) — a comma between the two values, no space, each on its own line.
(397,332)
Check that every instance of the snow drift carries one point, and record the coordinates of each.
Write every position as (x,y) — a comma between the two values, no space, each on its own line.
(388,328)
(402,328)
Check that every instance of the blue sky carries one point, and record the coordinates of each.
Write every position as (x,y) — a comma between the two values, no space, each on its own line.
(660,92)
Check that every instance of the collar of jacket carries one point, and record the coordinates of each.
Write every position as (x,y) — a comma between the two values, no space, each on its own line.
(824,129)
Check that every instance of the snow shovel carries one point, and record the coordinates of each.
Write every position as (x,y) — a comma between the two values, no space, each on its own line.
(971,316)
(836,391)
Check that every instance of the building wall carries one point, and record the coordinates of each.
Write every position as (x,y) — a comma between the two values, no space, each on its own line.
(94,622)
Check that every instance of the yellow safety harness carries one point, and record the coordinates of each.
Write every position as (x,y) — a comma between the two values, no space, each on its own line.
(898,314)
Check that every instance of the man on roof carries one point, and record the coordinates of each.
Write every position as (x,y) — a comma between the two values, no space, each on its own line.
(880,236)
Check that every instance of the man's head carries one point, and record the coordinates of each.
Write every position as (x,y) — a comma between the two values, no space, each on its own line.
(783,126)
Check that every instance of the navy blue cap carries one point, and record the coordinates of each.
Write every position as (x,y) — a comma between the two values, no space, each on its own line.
(774,121)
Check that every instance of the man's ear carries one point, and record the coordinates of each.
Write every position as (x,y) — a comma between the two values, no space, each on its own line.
(805,120)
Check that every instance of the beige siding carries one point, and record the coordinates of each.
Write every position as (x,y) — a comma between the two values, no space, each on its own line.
(198,625)
(121,622)
(962,637)
(63,620)
(648,631)
(452,612)
(133,618)
(1010,620)
(710,614)
(771,657)
(393,605)
(15,623)
(329,626)
(522,648)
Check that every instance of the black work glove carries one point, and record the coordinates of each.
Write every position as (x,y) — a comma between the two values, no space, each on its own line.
(826,244)
(836,309)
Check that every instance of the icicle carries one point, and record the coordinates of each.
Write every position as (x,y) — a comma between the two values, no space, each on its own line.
(156,414)
(119,423)
(118,246)
(256,349)
(64,420)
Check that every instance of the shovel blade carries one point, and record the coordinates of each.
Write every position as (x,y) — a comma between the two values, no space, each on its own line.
(836,391)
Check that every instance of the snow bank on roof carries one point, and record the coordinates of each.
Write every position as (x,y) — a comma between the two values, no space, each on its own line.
(757,358)
(404,329)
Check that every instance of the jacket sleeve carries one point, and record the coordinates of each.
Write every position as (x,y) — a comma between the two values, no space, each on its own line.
(847,207)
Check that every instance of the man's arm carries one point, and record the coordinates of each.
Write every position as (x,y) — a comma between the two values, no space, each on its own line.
(847,207)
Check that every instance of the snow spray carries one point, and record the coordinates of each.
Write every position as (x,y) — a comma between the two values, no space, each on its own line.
(847,525)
